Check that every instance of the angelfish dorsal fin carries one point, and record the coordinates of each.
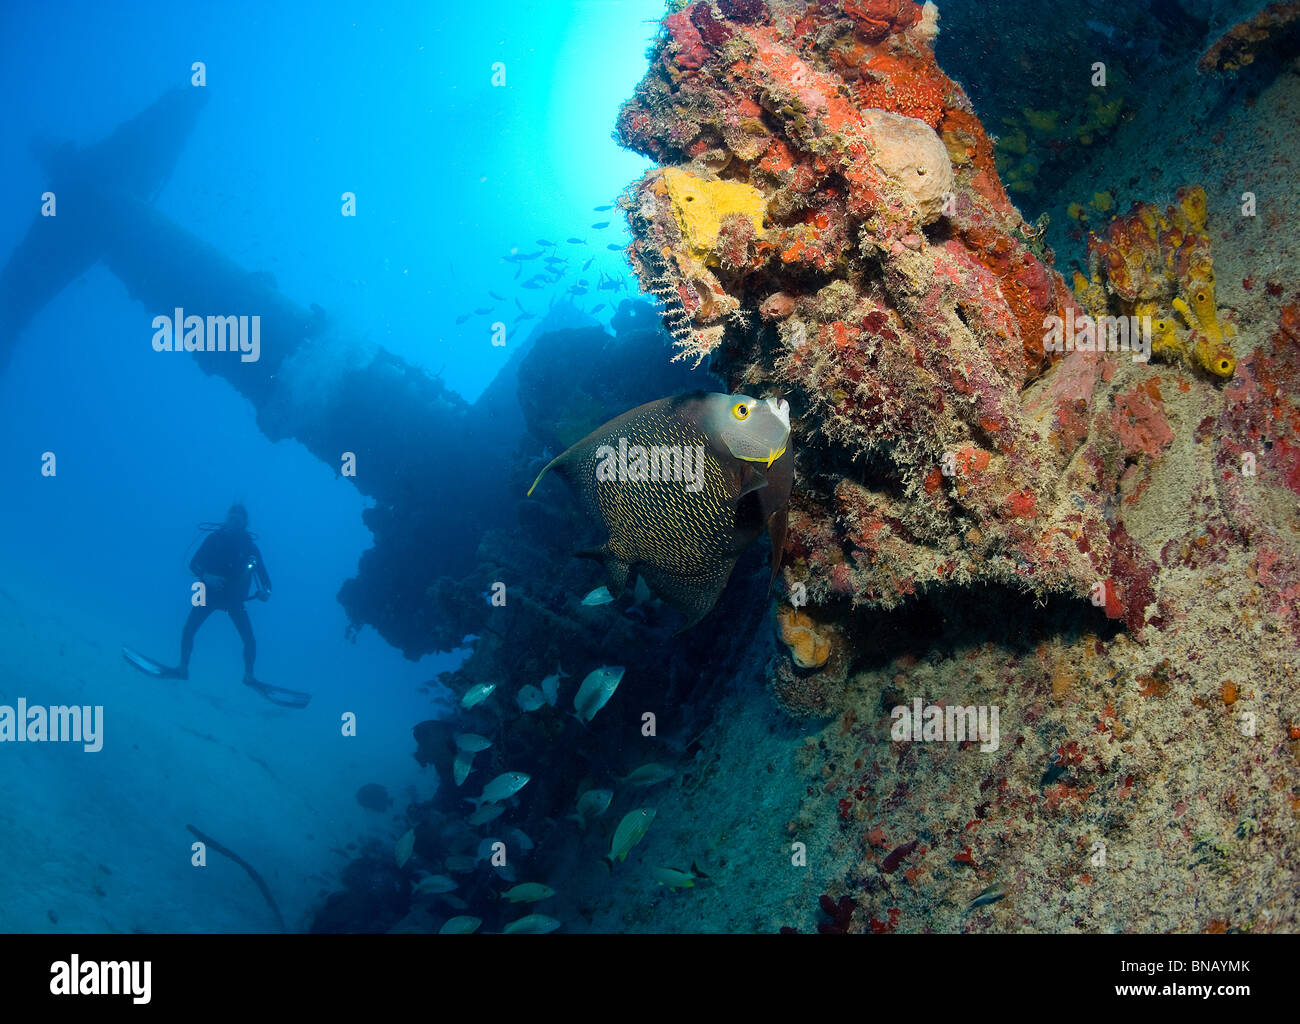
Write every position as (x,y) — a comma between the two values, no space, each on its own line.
(545,470)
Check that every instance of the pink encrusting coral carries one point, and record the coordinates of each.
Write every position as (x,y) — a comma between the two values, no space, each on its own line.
(828,223)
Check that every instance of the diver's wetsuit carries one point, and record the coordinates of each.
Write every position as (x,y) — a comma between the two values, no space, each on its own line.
(227,560)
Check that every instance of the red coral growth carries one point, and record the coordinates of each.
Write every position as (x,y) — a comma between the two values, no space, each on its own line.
(907,85)
(895,857)
(840,914)
(1279,573)
(1140,422)
(879,927)
(691,50)
(747,12)
(1133,574)
(713,32)
(876,20)
(1021,505)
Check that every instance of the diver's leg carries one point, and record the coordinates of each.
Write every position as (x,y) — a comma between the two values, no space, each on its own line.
(196,618)
(239,616)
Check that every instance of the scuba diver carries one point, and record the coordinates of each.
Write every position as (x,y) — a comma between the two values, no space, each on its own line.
(227,563)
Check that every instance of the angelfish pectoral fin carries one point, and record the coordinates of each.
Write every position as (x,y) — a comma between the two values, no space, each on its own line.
(777,525)
(615,568)
(775,505)
(751,479)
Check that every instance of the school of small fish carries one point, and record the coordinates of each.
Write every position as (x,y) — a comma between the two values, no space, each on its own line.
(555,271)
(454,879)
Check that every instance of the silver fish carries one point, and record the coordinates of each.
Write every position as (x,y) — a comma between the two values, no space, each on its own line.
(405,847)
(533,924)
(517,839)
(647,775)
(596,690)
(461,767)
(675,878)
(503,787)
(486,813)
(431,885)
(471,742)
(463,925)
(529,698)
(551,685)
(992,894)
(631,830)
(528,892)
(592,804)
(476,695)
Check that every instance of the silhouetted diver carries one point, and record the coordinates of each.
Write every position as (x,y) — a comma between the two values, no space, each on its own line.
(227,562)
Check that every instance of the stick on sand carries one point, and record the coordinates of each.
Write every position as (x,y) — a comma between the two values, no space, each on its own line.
(225,851)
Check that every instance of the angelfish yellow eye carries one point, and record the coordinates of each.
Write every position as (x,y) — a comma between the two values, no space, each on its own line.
(741,411)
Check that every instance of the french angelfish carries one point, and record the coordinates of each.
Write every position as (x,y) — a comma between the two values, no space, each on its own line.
(680,487)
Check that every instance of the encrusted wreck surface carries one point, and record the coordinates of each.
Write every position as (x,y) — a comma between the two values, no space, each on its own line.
(1103,546)
(879,276)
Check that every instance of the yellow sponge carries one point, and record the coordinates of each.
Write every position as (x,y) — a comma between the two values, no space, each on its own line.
(700,206)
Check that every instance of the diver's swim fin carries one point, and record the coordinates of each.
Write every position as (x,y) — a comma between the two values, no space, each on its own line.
(279,695)
(146,665)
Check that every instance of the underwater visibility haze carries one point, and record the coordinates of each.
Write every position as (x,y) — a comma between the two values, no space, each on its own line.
(819,466)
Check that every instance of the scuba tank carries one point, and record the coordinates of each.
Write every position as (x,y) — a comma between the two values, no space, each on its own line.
(203,530)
